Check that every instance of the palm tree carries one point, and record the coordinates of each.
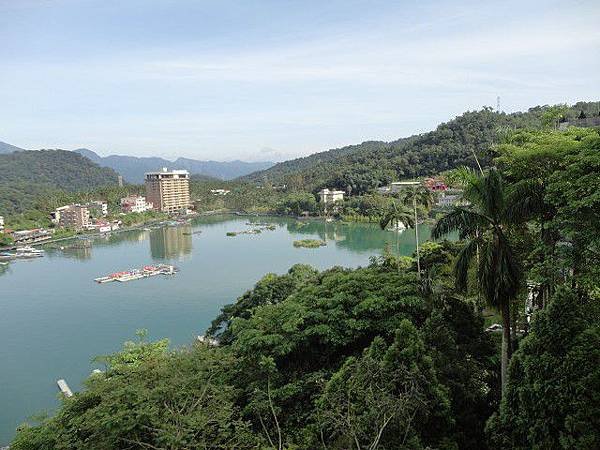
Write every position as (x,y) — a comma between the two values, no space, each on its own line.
(395,215)
(483,225)
(418,196)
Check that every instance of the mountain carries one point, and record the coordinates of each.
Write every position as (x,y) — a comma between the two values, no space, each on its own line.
(133,168)
(7,148)
(27,175)
(361,168)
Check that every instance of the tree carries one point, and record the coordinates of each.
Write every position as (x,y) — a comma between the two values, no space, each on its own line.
(484,225)
(149,398)
(388,397)
(395,216)
(552,398)
(418,196)
(553,115)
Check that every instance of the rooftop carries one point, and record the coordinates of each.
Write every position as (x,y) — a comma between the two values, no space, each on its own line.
(165,171)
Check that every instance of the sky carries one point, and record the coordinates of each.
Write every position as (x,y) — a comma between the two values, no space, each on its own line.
(274,80)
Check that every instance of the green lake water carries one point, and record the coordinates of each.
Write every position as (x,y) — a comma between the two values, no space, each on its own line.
(54,319)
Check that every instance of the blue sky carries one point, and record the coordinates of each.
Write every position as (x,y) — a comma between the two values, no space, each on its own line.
(260,80)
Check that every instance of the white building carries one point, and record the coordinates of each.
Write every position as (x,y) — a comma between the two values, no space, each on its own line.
(135,204)
(452,197)
(1,224)
(398,186)
(328,196)
(220,191)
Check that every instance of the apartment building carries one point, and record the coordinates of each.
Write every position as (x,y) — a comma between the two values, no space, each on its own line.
(1,224)
(168,191)
(76,217)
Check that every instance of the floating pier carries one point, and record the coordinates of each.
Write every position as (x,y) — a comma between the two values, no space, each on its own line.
(137,274)
(64,388)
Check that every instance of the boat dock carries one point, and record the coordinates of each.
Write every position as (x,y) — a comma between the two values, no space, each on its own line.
(64,388)
(138,274)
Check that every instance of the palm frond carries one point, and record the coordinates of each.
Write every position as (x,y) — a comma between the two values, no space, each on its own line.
(524,200)
(492,194)
(460,219)
(463,262)
(461,176)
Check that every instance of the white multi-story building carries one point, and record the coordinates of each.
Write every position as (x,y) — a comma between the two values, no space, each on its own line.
(135,204)
(328,196)
(1,224)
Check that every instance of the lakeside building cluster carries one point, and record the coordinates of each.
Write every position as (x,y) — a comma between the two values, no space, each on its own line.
(445,196)
(166,191)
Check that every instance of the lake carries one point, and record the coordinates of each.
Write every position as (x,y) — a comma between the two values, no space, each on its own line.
(54,318)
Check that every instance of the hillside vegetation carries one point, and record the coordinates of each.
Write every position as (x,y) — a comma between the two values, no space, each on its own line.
(27,176)
(360,168)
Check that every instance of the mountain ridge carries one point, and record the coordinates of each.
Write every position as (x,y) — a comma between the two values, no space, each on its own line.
(360,168)
(28,175)
(132,168)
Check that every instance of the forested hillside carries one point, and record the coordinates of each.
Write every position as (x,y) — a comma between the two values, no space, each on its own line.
(360,168)
(29,175)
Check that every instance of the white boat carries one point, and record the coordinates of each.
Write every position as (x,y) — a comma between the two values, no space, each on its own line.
(399,227)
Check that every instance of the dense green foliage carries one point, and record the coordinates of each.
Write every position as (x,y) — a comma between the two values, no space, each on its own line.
(26,177)
(553,397)
(149,398)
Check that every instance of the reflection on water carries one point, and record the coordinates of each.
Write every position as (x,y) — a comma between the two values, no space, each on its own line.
(81,249)
(360,236)
(171,242)
(165,243)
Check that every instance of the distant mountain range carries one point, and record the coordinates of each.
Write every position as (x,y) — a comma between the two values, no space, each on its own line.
(7,148)
(133,168)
